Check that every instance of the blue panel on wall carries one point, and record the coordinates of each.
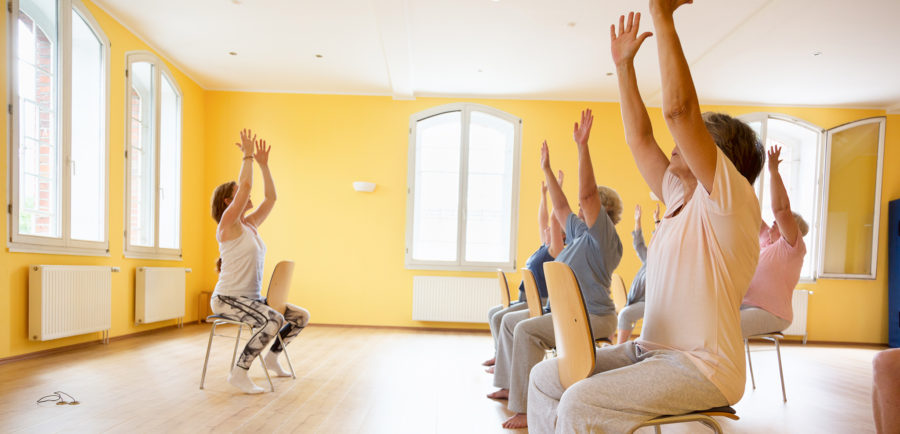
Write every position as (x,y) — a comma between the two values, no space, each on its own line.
(894,273)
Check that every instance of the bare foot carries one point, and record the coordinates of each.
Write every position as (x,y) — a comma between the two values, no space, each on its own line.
(500,394)
(490,362)
(489,370)
(520,420)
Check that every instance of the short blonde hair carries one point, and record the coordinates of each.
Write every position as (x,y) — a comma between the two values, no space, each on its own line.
(801,224)
(612,202)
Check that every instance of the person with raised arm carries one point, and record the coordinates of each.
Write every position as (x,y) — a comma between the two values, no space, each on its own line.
(767,306)
(238,293)
(593,252)
(634,308)
(690,354)
(552,242)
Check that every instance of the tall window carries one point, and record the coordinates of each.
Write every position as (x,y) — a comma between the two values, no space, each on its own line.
(463,184)
(833,179)
(58,149)
(153,209)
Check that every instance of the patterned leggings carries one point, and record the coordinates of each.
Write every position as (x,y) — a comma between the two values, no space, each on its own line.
(265,320)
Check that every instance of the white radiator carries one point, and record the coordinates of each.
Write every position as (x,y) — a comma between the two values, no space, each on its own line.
(454,299)
(68,300)
(158,294)
(800,305)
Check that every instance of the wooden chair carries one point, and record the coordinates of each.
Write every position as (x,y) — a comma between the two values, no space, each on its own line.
(617,292)
(276,298)
(574,344)
(574,339)
(776,338)
(532,294)
(504,288)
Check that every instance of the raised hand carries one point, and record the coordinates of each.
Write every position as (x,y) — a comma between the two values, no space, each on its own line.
(582,132)
(666,7)
(248,141)
(543,187)
(774,154)
(559,178)
(262,153)
(637,213)
(545,156)
(626,43)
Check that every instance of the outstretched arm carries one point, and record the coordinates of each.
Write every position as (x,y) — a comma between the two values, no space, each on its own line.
(543,216)
(561,208)
(680,105)
(264,208)
(245,182)
(651,160)
(556,233)
(781,205)
(638,241)
(587,186)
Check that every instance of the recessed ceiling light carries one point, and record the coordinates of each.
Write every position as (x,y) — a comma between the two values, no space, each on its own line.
(233,53)
(319,56)
(237,2)
(816,53)
(570,24)
(480,70)
(609,74)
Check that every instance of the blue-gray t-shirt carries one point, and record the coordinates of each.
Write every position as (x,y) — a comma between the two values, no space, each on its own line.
(592,255)
(535,264)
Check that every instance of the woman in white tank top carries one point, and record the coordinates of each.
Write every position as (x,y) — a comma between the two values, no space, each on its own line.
(241,260)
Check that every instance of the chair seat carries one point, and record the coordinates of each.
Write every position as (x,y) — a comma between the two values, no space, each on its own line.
(726,411)
(219,317)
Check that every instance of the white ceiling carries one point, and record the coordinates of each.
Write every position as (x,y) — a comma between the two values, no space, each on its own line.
(747,52)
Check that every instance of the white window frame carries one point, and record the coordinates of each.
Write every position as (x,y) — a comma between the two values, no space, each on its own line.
(760,186)
(871,275)
(63,245)
(461,264)
(159,69)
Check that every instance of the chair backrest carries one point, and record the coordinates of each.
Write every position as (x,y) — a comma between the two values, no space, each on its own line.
(532,295)
(504,288)
(280,285)
(574,339)
(618,292)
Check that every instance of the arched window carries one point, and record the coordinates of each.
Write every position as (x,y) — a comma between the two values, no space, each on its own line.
(463,188)
(59,134)
(153,154)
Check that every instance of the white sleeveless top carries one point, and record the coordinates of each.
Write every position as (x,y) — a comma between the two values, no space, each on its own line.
(242,265)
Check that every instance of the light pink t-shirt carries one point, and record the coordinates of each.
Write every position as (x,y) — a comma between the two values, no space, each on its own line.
(698,269)
(776,276)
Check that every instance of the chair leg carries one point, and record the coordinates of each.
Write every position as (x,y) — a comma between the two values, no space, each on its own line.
(750,362)
(262,360)
(237,341)
(657,429)
(712,424)
(286,355)
(780,372)
(212,333)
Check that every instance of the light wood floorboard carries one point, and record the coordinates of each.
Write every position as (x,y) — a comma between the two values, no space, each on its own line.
(369,380)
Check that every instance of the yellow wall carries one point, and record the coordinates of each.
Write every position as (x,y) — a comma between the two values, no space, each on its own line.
(13,266)
(349,246)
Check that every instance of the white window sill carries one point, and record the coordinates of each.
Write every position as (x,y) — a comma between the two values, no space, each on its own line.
(56,250)
(156,256)
(463,268)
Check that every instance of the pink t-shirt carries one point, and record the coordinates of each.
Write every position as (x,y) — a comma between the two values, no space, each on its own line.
(698,269)
(776,276)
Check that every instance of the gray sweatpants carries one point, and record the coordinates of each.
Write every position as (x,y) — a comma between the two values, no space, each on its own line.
(630,314)
(495,315)
(628,387)
(523,343)
(756,321)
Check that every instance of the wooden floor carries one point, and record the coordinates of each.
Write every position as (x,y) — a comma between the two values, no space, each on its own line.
(364,380)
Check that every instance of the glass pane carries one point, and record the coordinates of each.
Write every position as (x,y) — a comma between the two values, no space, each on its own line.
(142,154)
(436,201)
(489,190)
(169,166)
(88,143)
(38,147)
(799,154)
(851,200)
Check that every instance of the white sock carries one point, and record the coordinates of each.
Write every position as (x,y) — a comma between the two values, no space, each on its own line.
(274,366)
(240,378)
